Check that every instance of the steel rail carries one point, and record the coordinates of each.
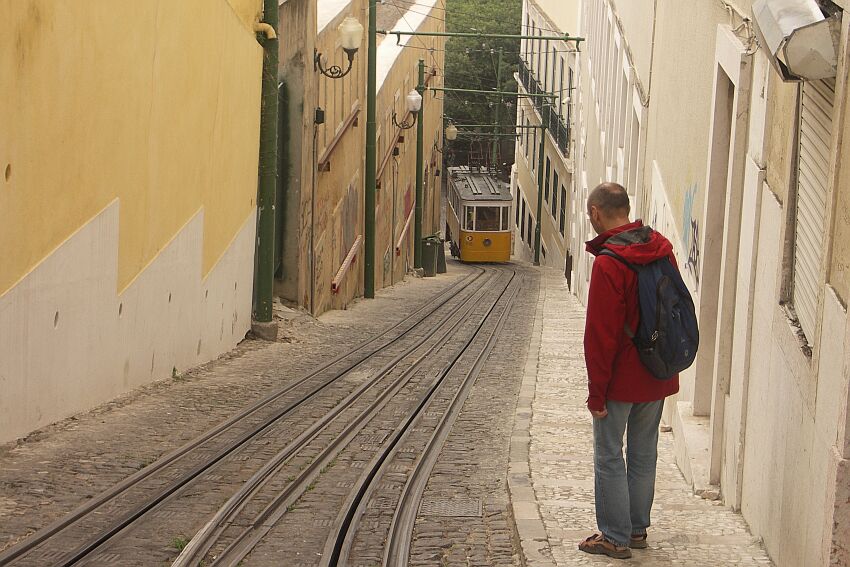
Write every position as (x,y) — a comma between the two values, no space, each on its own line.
(133,480)
(93,544)
(336,549)
(210,534)
(397,549)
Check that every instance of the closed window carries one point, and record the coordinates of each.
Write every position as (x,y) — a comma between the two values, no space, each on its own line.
(563,215)
(506,211)
(555,183)
(522,221)
(815,138)
(547,179)
(517,206)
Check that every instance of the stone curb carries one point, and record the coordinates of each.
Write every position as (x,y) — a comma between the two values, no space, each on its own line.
(528,523)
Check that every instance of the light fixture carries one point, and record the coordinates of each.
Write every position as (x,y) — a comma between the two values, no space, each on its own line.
(451,132)
(414,105)
(803,37)
(350,35)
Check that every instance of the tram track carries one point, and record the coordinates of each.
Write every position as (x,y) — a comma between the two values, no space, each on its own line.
(259,526)
(24,552)
(339,545)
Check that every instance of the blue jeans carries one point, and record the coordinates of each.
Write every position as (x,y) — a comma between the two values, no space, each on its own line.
(625,489)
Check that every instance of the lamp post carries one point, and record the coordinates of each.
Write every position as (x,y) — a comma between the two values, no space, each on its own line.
(350,35)
(451,132)
(371,162)
(414,104)
(414,108)
(417,226)
(263,315)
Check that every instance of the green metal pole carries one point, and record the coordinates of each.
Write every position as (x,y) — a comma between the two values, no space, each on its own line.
(500,93)
(564,37)
(494,148)
(537,227)
(264,283)
(371,165)
(417,220)
(517,126)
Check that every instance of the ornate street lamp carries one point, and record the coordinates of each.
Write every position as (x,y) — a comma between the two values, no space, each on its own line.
(350,34)
(414,105)
(451,132)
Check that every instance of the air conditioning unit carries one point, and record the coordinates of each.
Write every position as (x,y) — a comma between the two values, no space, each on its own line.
(802,37)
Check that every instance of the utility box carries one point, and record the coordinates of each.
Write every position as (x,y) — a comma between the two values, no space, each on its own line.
(429,257)
(441,254)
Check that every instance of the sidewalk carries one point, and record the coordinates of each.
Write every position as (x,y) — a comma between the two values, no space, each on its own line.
(551,474)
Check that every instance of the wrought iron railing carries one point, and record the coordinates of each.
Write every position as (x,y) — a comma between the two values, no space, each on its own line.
(558,126)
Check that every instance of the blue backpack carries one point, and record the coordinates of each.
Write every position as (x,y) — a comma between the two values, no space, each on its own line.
(667,337)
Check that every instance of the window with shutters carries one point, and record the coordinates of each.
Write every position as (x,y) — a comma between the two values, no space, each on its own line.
(555,184)
(546,180)
(562,222)
(813,155)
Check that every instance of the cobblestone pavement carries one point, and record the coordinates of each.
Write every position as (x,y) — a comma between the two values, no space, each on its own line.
(551,476)
(472,467)
(466,515)
(56,469)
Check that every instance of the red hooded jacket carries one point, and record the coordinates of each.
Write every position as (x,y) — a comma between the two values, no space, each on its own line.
(614,369)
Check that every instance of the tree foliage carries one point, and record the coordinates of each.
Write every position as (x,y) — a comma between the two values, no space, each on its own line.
(471,64)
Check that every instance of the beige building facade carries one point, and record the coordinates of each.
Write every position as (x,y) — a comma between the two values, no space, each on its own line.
(322,220)
(127,196)
(747,176)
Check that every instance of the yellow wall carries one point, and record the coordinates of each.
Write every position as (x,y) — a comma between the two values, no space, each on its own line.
(154,103)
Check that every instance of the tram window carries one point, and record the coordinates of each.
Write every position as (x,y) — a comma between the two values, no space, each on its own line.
(505,218)
(487,218)
(470,218)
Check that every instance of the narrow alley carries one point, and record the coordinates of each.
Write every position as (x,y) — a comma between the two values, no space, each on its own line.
(424,283)
(379,433)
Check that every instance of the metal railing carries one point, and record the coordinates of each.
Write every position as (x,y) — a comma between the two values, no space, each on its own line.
(557,124)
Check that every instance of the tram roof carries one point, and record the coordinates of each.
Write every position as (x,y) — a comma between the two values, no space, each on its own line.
(478,185)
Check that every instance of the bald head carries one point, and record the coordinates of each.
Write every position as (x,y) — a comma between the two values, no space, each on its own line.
(608,206)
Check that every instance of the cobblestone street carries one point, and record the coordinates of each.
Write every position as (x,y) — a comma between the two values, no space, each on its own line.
(486,487)
(553,501)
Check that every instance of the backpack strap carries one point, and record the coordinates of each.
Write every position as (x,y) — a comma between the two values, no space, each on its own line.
(610,253)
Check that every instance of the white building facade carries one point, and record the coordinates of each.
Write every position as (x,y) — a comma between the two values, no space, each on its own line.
(547,66)
(747,175)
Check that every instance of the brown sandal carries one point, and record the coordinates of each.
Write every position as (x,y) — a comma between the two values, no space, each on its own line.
(638,542)
(598,545)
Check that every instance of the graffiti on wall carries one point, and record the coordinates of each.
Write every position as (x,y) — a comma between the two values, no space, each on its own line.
(662,218)
(690,233)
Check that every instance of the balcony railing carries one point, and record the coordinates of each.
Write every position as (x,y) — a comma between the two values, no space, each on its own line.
(557,124)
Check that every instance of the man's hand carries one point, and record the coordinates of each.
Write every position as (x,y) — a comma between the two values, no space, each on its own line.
(599,414)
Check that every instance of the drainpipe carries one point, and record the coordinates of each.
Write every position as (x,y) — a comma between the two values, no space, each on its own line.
(263,323)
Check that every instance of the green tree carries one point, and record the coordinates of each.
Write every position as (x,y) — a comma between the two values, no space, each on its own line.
(471,64)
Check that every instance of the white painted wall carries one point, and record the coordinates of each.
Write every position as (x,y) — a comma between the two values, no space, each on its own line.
(69,341)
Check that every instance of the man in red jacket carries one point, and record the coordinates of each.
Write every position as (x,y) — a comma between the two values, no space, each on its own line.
(624,398)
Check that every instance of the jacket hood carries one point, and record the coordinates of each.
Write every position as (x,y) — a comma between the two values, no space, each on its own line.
(635,242)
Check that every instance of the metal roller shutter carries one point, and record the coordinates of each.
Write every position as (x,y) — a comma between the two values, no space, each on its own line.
(812,181)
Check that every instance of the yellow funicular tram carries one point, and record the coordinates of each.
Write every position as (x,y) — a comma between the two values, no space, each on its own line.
(478,215)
